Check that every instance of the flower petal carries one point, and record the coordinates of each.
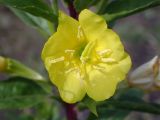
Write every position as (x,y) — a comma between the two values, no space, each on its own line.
(73,88)
(92,24)
(65,38)
(68,80)
(109,40)
(103,78)
(100,86)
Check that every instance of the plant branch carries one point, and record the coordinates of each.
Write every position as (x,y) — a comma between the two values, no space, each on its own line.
(70,108)
(72,11)
(70,111)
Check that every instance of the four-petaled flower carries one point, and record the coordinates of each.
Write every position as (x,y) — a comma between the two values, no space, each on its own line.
(85,57)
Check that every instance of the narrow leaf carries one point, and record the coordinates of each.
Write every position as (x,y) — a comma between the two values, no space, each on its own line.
(20,93)
(91,104)
(34,7)
(121,8)
(36,22)
(134,106)
(82,4)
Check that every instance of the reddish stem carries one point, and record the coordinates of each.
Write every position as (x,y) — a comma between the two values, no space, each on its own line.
(72,11)
(70,112)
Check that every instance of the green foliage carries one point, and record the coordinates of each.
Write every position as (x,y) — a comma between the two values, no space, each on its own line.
(121,8)
(107,110)
(42,25)
(82,4)
(91,105)
(34,7)
(20,93)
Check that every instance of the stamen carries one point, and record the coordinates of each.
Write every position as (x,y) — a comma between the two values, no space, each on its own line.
(97,67)
(70,70)
(80,34)
(104,52)
(108,60)
(84,59)
(67,64)
(80,76)
(69,51)
(51,60)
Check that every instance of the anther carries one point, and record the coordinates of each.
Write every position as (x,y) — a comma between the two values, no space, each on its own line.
(51,60)
(80,34)
(104,52)
(98,67)
(108,60)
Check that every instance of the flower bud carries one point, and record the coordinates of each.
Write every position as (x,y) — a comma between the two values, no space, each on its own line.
(2,64)
(146,76)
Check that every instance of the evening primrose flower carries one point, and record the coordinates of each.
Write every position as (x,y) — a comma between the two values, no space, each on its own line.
(85,56)
(146,76)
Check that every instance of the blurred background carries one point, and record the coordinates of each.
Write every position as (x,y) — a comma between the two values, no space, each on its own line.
(140,34)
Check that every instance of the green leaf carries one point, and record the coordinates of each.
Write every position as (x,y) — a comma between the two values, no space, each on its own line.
(91,104)
(36,22)
(19,93)
(82,4)
(109,114)
(42,25)
(134,106)
(121,8)
(102,5)
(34,7)
(119,108)
(107,111)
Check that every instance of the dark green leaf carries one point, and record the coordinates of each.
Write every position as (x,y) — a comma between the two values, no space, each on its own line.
(20,93)
(132,94)
(82,4)
(34,7)
(91,104)
(36,22)
(109,114)
(108,111)
(121,8)
(133,106)
(102,5)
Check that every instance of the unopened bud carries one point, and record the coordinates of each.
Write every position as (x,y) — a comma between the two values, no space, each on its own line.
(146,76)
(2,64)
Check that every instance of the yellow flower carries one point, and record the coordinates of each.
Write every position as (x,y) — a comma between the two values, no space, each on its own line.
(85,57)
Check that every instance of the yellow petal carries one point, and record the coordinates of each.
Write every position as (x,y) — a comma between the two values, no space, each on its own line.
(92,24)
(57,73)
(73,88)
(103,78)
(66,76)
(100,86)
(120,69)
(64,39)
(109,40)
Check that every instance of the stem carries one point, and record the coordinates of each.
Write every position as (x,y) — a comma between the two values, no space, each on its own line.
(72,10)
(15,68)
(70,112)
